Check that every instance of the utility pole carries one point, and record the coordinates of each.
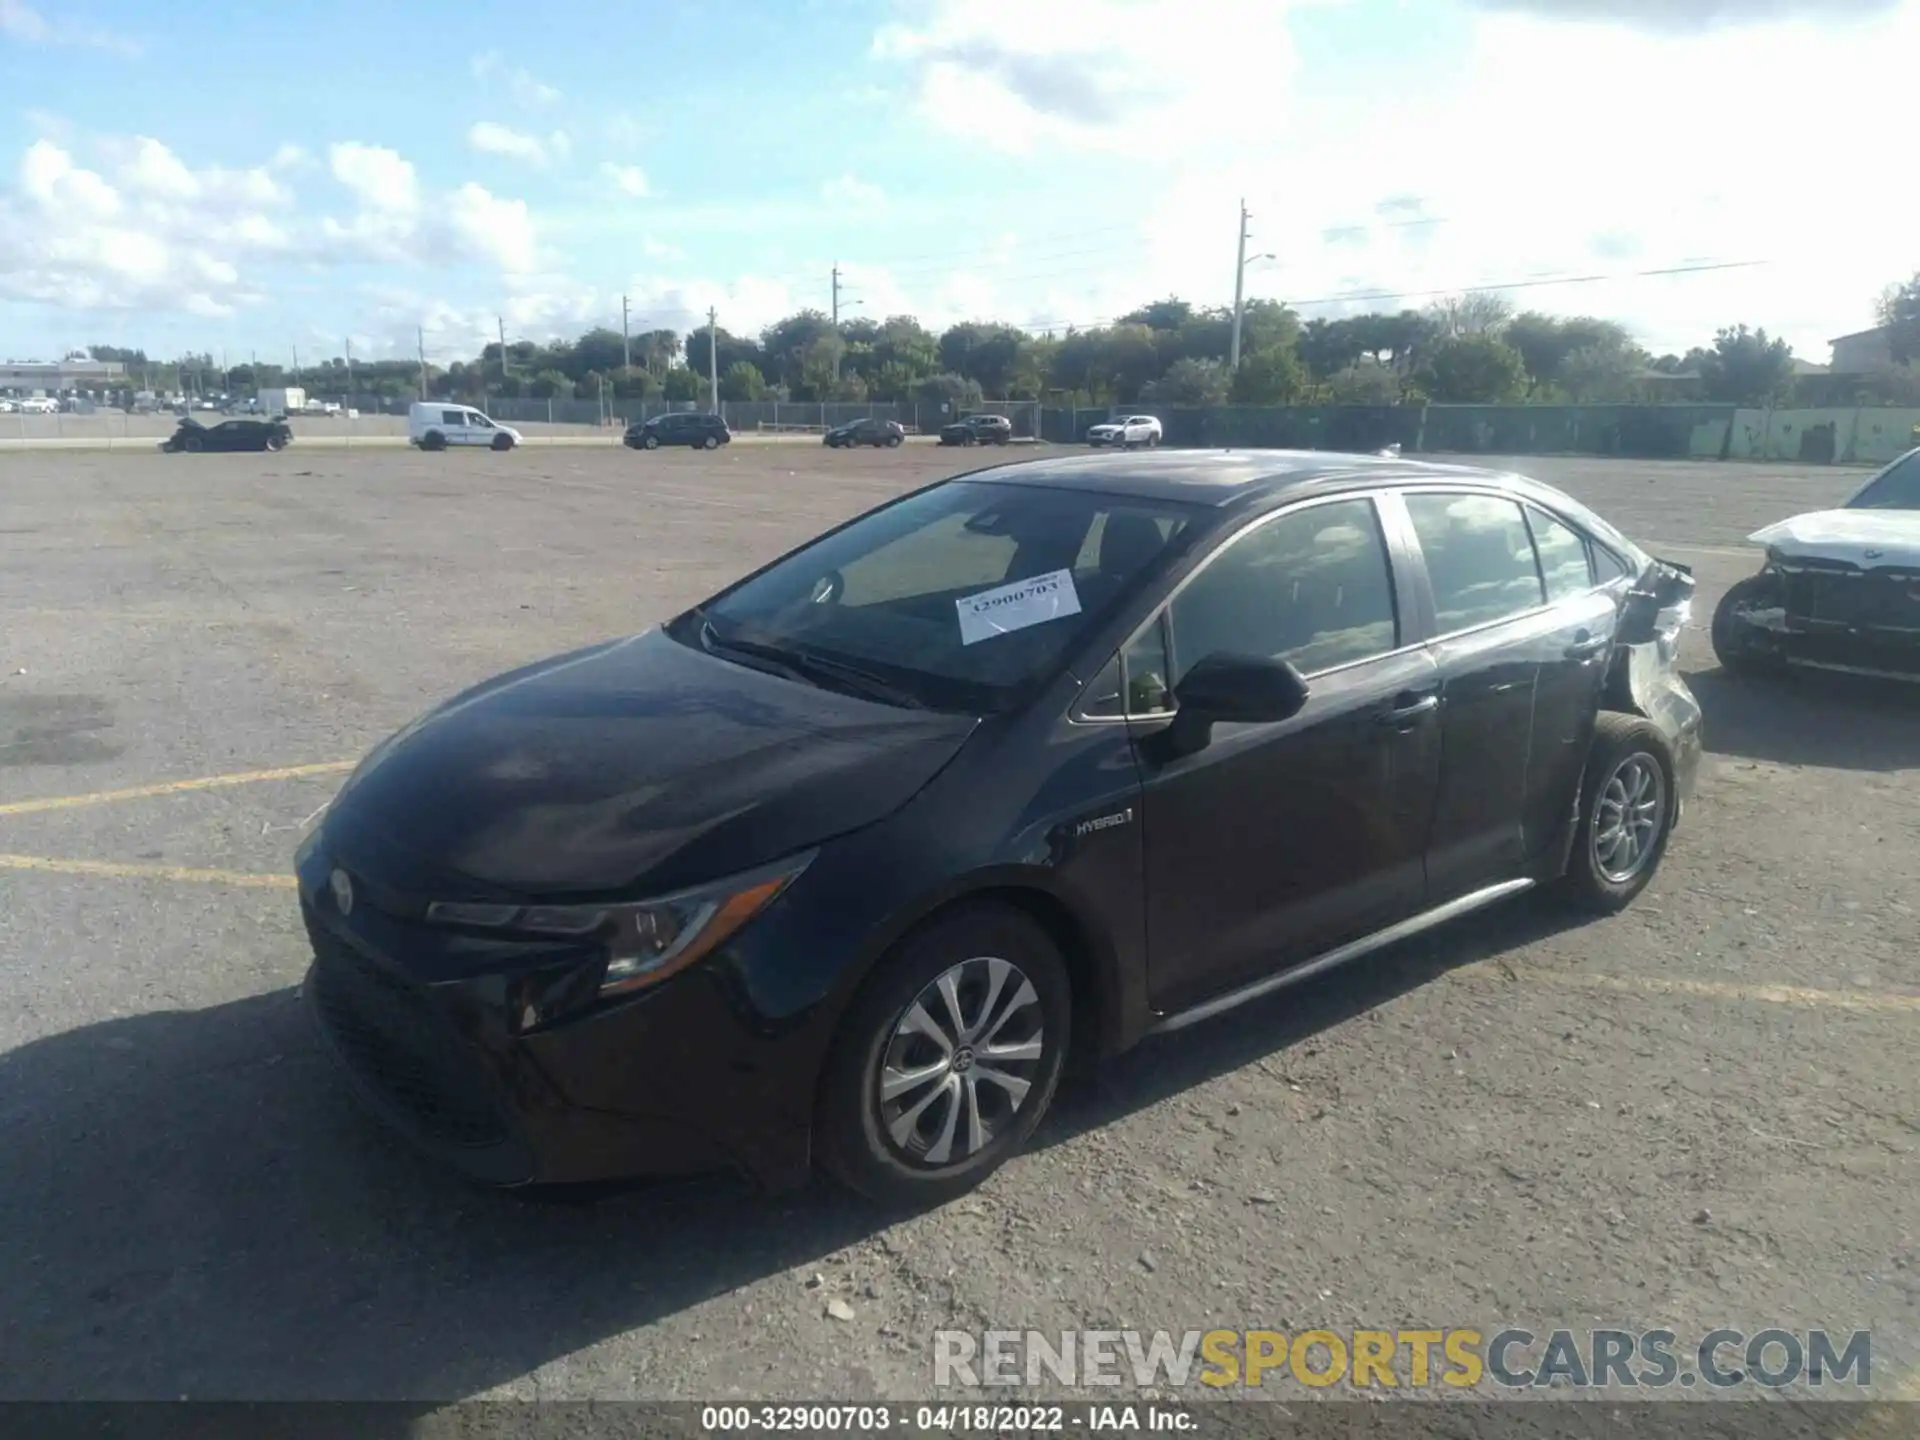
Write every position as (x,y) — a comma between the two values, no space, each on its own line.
(836,294)
(349,367)
(713,355)
(501,322)
(420,338)
(626,344)
(1239,288)
(296,364)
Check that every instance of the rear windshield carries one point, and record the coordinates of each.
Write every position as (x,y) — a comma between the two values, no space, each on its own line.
(962,596)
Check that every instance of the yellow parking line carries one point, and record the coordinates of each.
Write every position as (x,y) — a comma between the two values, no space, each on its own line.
(174,787)
(115,869)
(1866,1001)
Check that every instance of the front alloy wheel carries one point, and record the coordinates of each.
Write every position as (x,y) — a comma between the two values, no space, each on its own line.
(947,1059)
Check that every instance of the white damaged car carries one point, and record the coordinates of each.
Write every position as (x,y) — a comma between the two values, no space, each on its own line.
(1840,589)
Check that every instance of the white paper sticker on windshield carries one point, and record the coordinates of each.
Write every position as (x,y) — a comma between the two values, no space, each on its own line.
(1007,608)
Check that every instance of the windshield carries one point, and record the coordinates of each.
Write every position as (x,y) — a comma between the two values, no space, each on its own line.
(960,597)
(1895,488)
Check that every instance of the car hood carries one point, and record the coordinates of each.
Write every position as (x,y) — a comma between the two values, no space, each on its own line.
(636,767)
(1867,538)
(1109,425)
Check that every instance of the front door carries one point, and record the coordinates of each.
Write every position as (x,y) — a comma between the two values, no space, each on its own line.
(1276,842)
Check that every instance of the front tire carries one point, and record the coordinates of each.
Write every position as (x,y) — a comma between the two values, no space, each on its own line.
(651,442)
(503,442)
(947,1059)
(1627,810)
(1732,646)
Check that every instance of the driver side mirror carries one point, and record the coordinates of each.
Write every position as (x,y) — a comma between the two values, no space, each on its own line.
(1235,689)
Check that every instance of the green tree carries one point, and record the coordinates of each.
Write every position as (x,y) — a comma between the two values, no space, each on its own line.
(1744,367)
(1190,383)
(742,381)
(1473,368)
(549,383)
(1477,312)
(985,353)
(1168,314)
(1330,346)
(1366,385)
(1899,311)
(904,342)
(1546,341)
(599,349)
(788,343)
(1268,377)
(955,391)
(682,384)
(1599,374)
(731,348)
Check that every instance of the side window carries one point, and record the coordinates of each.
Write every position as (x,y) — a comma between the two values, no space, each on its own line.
(1607,566)
(452,417)
(1563,556)
(479,420)
(1479,557)
(1134,682)
(1314,588)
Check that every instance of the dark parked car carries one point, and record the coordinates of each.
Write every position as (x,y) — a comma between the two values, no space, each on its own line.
(977,430)
(683,427)
(866,432)
(838,865)
(192,436)
(1840,589)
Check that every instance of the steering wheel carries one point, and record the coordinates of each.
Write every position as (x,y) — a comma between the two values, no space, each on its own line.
(828,588)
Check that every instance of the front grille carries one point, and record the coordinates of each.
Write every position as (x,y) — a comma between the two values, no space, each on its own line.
(403,1048)
(1870,600)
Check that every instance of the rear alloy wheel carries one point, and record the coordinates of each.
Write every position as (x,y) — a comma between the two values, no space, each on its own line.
(892,441)
(1626,814)
(712,442)
(947,1059)
(1733,642)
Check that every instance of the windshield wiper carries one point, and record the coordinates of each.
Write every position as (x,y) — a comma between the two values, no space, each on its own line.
(806,666)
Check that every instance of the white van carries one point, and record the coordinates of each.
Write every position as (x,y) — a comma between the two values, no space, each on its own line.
(438,424)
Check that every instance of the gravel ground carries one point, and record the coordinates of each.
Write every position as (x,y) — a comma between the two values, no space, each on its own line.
(1701,1113)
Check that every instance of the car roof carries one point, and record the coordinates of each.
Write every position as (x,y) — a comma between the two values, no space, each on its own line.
(1228,477)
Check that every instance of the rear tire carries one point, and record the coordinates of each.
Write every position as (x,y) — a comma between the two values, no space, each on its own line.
(433,440)
(1735,651)
(1627,810)
(893,442)
(979,1087)
(712,442)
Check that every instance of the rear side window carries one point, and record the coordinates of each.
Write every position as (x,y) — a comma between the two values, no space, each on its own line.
(452,417)
(1607,566)
(1563,556)
(1479,557)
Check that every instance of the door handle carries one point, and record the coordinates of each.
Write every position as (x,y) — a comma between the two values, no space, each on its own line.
(1585,645)
(1411,711)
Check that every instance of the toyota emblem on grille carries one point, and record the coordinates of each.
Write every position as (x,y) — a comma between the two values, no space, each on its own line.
(342,888)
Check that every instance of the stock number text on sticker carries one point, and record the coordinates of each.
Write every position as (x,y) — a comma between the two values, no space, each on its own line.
(1007,608)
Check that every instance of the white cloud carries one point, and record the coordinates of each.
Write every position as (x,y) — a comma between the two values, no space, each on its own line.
(659,250)
(627,179)
(1128,76)
(1697,15)
(496,229)
(381,179)
(491,69)
(849,192)
(490,138)
(20,21)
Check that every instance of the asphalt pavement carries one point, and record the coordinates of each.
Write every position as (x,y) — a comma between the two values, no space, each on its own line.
(1700,1113)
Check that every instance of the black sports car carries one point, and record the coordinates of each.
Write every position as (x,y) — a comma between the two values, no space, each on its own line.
(193,437)
(865,432)
(977,430)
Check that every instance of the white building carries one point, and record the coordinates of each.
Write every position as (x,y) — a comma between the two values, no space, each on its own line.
(54,376)
(1862,352)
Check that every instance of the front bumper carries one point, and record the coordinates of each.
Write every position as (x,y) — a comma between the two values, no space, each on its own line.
(1845,621)
(672,1082)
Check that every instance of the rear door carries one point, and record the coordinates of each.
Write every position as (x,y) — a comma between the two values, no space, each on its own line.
(1491,629)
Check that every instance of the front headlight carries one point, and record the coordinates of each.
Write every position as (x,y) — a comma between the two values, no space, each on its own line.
(645,941)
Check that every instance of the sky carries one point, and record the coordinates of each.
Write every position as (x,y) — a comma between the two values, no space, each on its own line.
(279,182)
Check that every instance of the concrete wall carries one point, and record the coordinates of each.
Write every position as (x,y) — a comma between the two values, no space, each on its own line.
(1846,436)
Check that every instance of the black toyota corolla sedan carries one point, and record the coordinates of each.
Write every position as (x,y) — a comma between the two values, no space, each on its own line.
(837,865)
